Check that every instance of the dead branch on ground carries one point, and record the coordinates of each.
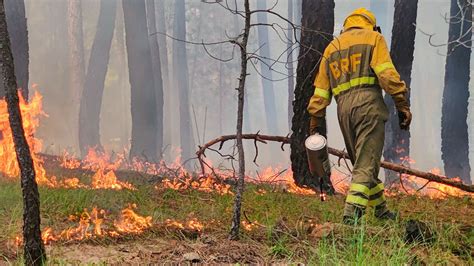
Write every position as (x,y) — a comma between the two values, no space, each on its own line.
(403,170)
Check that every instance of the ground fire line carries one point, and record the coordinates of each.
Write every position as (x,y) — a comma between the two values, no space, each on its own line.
(96,223)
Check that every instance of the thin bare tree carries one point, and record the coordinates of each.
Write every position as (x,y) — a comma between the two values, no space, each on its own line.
(234,231)
(34,253)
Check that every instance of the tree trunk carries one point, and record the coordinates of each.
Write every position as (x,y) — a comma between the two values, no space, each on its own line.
(236,68)
(454,128)
(289,56)
(181,80)
(397,141)
(34,253)
(265,70)
(91,101)
(122,64)
(234,231)
(167,88)
(318,16)
(143,96)
(16,19)
(157,77)
(76,61)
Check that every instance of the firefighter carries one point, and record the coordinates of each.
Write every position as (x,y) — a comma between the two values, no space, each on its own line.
(355,67)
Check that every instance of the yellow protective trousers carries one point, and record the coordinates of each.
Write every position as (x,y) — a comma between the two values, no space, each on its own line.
(362,114)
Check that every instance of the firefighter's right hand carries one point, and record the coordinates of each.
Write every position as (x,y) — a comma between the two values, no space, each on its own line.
(403,108)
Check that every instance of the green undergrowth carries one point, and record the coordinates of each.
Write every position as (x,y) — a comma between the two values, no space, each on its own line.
(282,231)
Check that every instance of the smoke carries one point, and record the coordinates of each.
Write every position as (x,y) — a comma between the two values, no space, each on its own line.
(212,84)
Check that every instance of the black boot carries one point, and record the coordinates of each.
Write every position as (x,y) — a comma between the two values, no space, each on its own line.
(389,216)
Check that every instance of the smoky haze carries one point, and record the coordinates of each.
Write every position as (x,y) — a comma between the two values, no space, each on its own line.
(212,94)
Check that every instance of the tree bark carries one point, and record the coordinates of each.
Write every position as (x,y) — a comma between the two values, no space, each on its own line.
(34,253)
(318,24)
(76,61)
(91,100)
(234,231)
(265,70)
(397,141)
(454,128)
(181,80)
(16,19)
(157,76)
(143,96)
(289,56)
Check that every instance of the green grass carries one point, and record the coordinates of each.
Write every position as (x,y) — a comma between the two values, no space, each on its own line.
(284,236)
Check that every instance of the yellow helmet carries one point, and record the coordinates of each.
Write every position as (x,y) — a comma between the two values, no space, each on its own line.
(360,18)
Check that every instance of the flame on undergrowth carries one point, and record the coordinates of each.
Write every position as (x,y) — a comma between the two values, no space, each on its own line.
(68,161)
(130,222)
(96,224)
(30,112)
(418,186)
(192,224)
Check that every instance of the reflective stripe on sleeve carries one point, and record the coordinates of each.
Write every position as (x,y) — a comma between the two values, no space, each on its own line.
(352,199)
(382,67)
(353,83)
(322,93)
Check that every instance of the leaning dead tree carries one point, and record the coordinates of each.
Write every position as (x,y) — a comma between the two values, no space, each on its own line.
(398,168)
(34,253)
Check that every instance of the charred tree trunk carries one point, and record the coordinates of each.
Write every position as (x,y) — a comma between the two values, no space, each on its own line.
(318,25)
(143,96)
(234,231)
(397,141)
(157,77)
(76,61)
(266,71)
(91,100)
(181,81)
(289,56)
(454,128)
(167,88)
(16,19)
(34,253)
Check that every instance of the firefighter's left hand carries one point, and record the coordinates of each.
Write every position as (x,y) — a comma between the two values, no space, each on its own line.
(404,116)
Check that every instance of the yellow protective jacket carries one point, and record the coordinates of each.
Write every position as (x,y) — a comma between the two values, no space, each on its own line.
(358,58)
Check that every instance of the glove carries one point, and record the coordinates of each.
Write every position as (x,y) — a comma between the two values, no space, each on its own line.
(403,108)
(317,125)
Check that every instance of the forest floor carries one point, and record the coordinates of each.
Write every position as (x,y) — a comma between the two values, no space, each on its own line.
(280,227)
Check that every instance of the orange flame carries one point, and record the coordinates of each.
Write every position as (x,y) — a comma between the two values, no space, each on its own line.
(130,222)
(30,112)
(91,225)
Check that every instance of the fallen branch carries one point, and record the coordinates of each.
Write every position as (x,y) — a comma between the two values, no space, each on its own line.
(340,154)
